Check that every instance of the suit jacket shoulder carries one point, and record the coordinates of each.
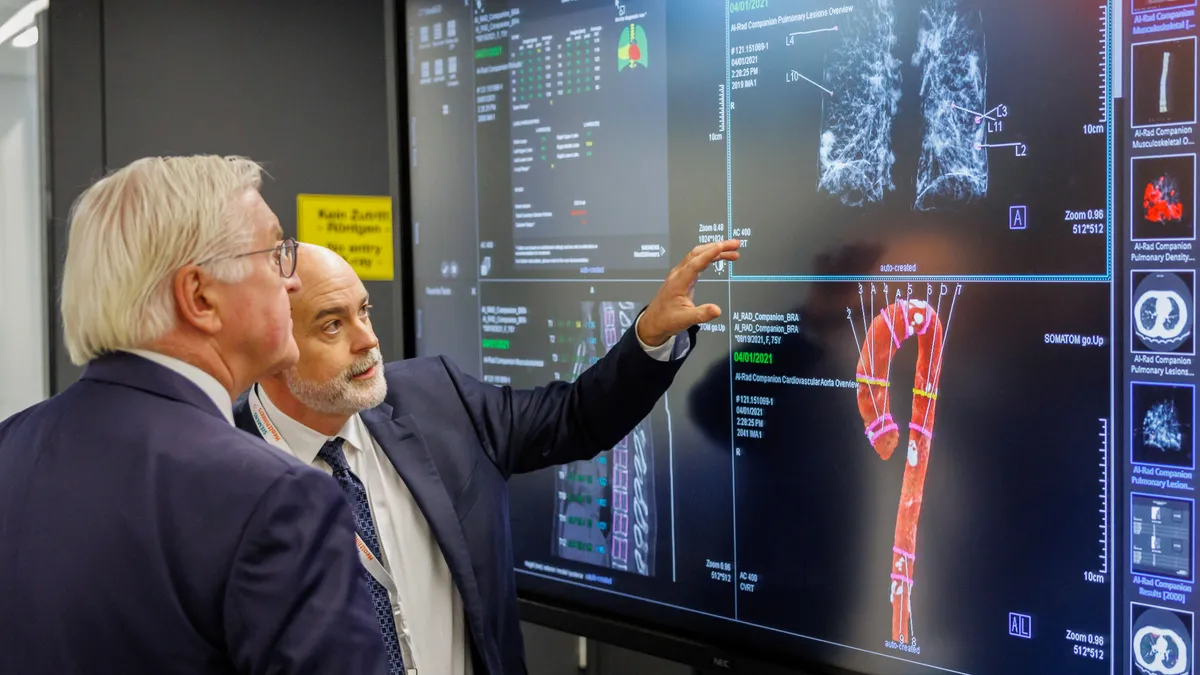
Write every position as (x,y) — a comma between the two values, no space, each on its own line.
(420,375)
(200,533)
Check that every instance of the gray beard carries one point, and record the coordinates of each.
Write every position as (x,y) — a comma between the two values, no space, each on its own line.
(341,395)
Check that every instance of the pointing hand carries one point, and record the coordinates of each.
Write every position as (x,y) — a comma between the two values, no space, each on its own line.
(672,310)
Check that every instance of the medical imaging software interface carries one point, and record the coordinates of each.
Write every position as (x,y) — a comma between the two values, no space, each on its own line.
(946,422)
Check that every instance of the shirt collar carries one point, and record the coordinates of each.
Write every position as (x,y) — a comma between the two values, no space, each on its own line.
(304,442)
(207,383)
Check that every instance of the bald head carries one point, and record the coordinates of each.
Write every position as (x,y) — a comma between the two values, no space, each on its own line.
(316,264)
(340,371)
(315,258)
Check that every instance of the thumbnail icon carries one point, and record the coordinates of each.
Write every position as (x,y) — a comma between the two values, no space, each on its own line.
(1161,537)
(1164,198)
(1164,82)
(631,48)
(1161,640)
(1163,312)
(1163,424)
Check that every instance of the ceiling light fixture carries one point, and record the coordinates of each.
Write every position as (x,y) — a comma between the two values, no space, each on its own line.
(20,23)
(28,38)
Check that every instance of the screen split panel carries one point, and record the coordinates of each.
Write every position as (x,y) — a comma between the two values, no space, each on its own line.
(945,421)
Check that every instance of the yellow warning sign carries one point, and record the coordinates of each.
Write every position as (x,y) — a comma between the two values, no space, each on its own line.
(358,228)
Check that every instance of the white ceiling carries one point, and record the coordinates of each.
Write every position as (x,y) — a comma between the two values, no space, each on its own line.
(16,62)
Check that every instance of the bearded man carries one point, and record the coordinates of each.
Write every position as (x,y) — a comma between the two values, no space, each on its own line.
(423,452)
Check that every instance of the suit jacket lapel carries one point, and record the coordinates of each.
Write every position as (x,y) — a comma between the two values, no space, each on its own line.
(401,440)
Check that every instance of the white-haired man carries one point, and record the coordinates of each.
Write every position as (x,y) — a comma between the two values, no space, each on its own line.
(424,452)
(141,531)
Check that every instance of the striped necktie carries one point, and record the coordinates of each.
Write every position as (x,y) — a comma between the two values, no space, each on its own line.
(356,494)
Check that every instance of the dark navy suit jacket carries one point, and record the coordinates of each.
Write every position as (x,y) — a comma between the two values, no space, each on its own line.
(140,532)
(455,441)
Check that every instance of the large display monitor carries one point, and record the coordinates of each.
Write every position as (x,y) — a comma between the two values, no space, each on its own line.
(946,422)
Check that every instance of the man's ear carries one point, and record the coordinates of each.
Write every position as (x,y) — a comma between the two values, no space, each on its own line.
(197,299)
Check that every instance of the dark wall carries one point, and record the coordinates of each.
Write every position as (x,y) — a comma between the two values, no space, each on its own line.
(299,85)
(551,652)
(74,142)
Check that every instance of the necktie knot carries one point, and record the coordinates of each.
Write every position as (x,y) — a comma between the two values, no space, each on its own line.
(334,455)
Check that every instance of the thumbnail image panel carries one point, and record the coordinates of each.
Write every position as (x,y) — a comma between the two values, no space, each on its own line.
(1163,304)
(1164,424)
(1164,82)
(1161,640)
(1161,532)
(1163,203)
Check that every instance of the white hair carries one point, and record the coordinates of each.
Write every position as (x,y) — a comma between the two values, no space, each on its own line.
(133,230)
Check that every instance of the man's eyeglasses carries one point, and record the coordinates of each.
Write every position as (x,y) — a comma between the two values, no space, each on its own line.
(283,254)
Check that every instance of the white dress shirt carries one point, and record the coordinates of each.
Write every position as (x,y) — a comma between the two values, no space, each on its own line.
(207,383)
(665,351)
(429,611)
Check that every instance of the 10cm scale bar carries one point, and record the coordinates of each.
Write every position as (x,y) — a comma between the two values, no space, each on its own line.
(1103,64)
(1099,576)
